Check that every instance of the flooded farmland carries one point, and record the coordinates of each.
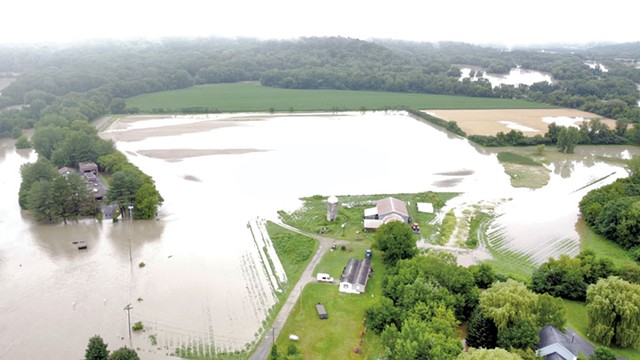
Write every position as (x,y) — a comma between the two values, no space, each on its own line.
(204,283)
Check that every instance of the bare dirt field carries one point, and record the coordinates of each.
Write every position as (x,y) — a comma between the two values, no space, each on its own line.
(529,121)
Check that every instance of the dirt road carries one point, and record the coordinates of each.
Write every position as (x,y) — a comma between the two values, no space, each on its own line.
(324,244)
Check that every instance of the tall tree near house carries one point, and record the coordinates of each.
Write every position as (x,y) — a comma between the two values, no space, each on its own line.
(124,185)
(613,307)
(481,332)
(508,303)
(397,242)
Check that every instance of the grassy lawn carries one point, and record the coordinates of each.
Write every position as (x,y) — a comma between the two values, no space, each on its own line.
(294,250)
(336,337)
(577,319)
(312,217)
(251,96)
(601,246)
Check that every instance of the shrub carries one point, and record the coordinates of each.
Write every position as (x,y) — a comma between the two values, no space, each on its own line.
(137,326)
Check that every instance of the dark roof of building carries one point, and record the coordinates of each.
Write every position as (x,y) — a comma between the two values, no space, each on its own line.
(66,170)
(391,205)
(87,166)
(571,341)
(356,272)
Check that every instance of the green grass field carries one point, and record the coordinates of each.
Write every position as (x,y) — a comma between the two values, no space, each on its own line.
(252,97)
(337,336)
(312,217)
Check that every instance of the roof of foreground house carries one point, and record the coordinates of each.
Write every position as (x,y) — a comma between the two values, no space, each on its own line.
(556,345)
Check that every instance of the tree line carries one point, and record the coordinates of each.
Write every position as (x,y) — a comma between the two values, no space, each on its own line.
(54,197)
(83,82)
(425,298)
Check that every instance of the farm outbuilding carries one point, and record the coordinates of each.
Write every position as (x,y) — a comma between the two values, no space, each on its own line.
(332,208)
(88,167)
(386,210)
(355,276)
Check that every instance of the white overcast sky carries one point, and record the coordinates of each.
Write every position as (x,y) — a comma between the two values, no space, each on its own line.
(487,21)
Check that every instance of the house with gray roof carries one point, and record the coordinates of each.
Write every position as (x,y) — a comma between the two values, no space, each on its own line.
(355,276)
(556,345)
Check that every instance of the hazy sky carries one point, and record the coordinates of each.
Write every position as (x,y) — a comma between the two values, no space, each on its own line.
(487,21)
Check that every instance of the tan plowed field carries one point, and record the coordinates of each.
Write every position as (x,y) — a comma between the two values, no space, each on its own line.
(529,121)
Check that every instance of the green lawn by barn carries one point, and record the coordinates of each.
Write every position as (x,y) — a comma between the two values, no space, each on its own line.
(253,97)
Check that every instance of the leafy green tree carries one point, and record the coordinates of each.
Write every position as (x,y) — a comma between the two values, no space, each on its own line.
(47,138)
(124,185)
(481,332)
(41,203)
(418,340)
(381,314)
(124,354)
(613,307)
(568,137)
(397,242)
(508,303)
(148,200)
(550,311)
(96,349)
(113,162)
(23,142)
(523,335)
(440,269)
(563,277)
(633,164)
(483,275)
(31,173)
(485,354)
(602,353)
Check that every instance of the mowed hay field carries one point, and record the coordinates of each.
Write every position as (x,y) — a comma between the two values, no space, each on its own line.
(253,97)
(529,121)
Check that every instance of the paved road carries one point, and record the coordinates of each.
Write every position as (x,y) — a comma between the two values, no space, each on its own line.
(264,345)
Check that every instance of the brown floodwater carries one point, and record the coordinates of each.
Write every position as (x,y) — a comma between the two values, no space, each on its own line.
(204,282)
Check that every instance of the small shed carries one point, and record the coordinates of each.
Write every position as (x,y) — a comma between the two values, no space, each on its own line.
(322,312)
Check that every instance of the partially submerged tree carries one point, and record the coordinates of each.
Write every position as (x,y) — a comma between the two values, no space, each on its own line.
(124,354)
(96,349)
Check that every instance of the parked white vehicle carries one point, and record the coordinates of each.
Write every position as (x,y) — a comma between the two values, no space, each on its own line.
(322,277)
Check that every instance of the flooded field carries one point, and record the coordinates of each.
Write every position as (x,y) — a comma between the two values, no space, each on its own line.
(204,283)
(515,76)
(528,121)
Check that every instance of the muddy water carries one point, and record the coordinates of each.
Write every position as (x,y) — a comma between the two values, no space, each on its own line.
(203,282)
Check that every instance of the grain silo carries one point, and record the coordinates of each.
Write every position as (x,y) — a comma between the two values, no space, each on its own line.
(332,208)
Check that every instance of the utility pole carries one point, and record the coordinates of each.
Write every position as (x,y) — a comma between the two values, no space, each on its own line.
(128,310)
